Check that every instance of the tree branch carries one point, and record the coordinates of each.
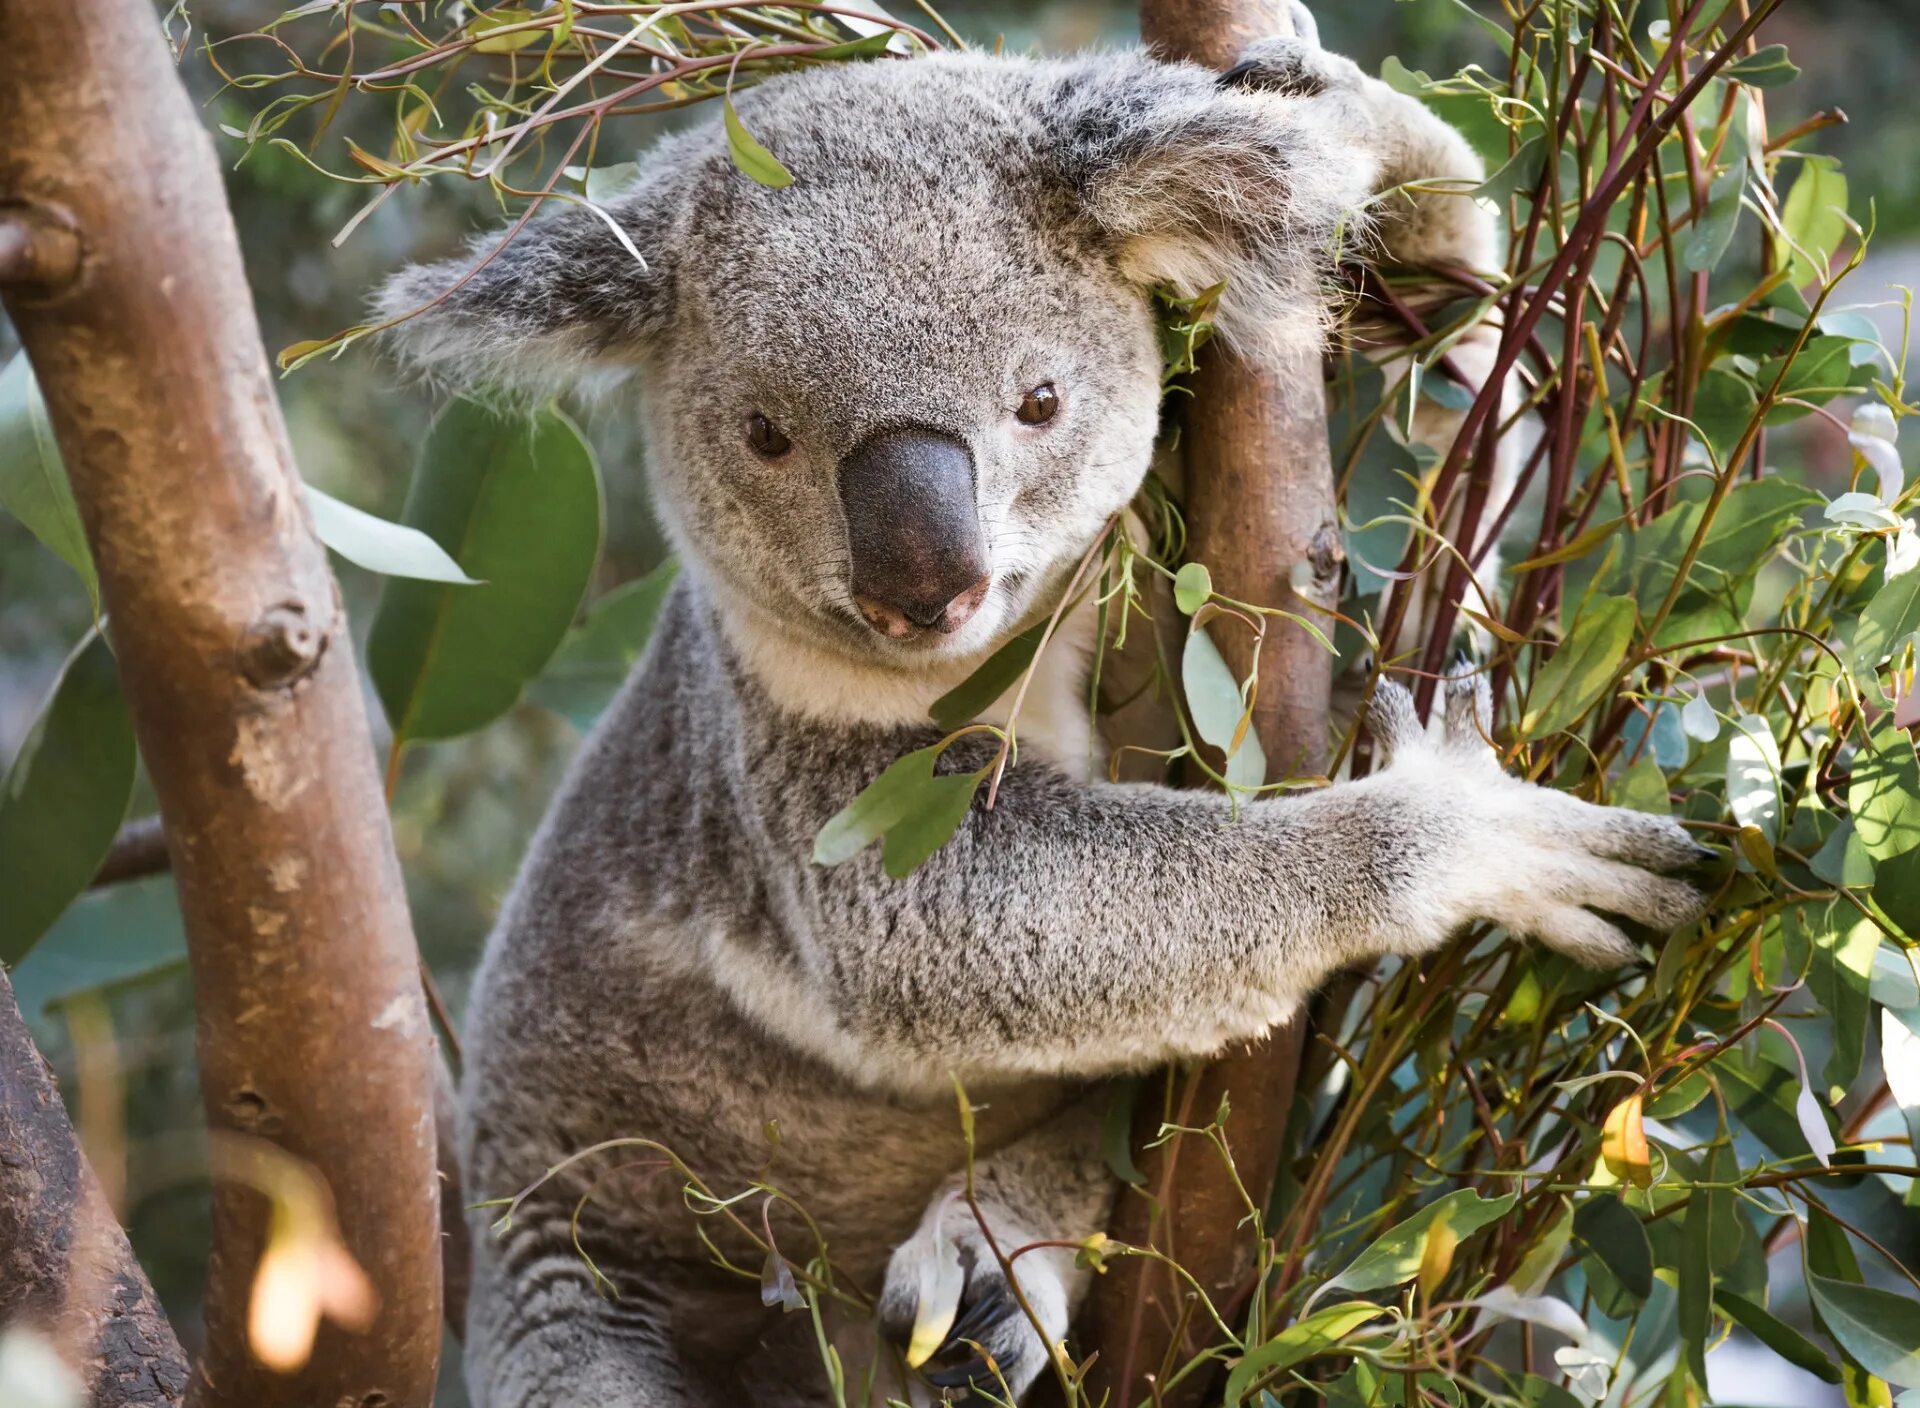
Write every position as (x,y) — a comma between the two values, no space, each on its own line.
(245,696)
(139,850)
(1259,501)
(68,1271)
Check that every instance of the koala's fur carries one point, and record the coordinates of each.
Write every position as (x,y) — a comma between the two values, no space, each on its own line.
(673,966)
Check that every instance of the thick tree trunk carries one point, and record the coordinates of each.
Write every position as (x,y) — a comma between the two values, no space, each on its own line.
(233,649)
(66,1271)
(1260,514)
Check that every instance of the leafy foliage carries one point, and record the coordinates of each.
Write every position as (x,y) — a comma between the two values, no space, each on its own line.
(1508,1181)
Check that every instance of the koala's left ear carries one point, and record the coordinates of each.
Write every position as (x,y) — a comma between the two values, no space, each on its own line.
(566,298)
(1193,179)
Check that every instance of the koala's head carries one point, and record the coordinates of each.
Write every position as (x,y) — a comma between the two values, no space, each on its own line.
(892,403)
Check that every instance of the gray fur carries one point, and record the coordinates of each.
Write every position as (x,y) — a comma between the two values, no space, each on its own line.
(673,965)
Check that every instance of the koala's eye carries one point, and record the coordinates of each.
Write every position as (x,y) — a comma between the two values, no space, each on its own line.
(1038,405)
(766,437)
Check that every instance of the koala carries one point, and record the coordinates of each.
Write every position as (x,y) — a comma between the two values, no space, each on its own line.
(889,407)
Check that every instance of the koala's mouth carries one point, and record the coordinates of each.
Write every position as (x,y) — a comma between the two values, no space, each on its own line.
(897,623)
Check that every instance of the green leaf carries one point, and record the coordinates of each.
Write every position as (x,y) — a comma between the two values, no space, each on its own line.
(1609,1231)
(33,478)
(605,183)
(1192,585)
(871,46)
(1709,1217)
(1814,219)
(1001,670)
(1884,797)
(599,653)
(499,19)
(1777,1335)
(107,940)
(1843,859)
(1643,788)
(882,803)
(1582,669)
(1218,708)
(1713,231)
(1892,616)
(1768,67)
(1753,776)
(752,158)
(1394,1256)
(941,806)
(1300,1341)
(391,549)
(1116,1131)
(1879,1329)
(1841,979)
(1723,406)
(516,500)
(64,797)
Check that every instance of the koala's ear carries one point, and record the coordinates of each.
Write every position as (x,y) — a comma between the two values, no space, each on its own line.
(567,298)
(1192,180)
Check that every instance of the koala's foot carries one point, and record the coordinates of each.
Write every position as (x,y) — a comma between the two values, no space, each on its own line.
(1535,861)
(947,1274)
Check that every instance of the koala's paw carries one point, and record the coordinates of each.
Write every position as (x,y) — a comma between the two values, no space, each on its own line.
(947,1301)
(1535,861)
(1294,65)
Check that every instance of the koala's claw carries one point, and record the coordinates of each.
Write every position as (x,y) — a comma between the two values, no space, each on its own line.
(1534,860)
(968,1360)
(992,1351)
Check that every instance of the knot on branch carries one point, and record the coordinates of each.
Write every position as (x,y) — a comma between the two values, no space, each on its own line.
(1326,555)
(39,250)
(282,647)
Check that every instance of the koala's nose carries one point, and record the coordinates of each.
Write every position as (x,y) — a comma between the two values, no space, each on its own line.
(913,532)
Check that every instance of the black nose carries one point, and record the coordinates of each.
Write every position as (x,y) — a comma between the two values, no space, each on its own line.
(914,535)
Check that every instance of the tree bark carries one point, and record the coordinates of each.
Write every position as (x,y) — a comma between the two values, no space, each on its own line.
(66,1271)
(1260,514)
(246,700)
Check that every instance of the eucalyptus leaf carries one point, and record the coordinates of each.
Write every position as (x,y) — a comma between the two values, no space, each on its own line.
(1777,1335)
(1218,709)
(1878,1328)
(752,158)
(1767,67)
(1608,1231)
(516,501)
(380,545)
(33,477)
(941,806)
(997,674)
(65,796)
(1643,788)
(1394,1256)
(883,803)
(1891,617)
(601,652)
(1582,669)
(1305,1339)
(1813,219)
(1753,776)
(1192,585)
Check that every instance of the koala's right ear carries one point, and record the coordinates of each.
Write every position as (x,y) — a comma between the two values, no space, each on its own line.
(564,299)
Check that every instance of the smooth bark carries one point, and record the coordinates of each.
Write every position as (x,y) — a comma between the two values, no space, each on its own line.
(1260,513)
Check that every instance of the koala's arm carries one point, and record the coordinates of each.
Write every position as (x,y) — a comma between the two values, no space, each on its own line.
(1077,929)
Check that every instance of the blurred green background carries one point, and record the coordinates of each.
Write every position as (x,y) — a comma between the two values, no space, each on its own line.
(465,810)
